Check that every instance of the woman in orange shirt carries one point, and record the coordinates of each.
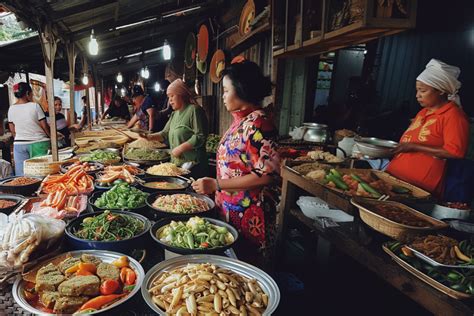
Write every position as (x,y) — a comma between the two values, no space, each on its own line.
(439,131)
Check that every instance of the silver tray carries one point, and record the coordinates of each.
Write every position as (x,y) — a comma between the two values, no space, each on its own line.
(106,256)
(435,263)
(266,282)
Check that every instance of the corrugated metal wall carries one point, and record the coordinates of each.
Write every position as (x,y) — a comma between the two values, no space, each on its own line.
(401,57)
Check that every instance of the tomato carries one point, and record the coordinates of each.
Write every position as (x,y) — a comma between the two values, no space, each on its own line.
(127,276)
(109,287)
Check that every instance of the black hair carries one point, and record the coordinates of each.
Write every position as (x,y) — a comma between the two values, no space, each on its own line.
(249,82)
(23,89)
(58,99)
(84,98)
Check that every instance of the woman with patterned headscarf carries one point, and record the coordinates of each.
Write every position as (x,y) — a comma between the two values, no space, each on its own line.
(186,130)
(438,132)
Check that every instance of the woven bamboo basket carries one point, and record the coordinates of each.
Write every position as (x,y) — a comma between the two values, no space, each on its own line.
(393,229)
(43,166)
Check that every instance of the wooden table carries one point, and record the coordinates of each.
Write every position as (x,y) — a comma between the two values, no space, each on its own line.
(360,243)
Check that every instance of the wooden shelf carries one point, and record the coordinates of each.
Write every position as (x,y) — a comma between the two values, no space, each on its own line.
(251,37)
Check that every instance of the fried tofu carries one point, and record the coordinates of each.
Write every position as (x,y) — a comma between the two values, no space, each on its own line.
(90,259)
(68,263)
(48,278)
(69,304)
(80,285)
(107,271)
(48,298)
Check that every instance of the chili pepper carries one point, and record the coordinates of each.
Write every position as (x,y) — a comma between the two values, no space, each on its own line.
(90,267)
(121,262)
(73,269)
(190,240)
(205,245)
(109,287)
(336,173)
(366,186)
(99,301)
(338,182)
(407,252)
(127,276)
(83,272)
(454,277)
(460,255)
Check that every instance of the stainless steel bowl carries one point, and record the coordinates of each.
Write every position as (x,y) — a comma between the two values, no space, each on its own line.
(105,256)
(316,133)
(267,284)
(372,147)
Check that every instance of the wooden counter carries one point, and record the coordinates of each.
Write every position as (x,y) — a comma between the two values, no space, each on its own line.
(361,243)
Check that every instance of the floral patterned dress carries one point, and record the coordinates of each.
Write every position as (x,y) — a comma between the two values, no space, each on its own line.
(247,148)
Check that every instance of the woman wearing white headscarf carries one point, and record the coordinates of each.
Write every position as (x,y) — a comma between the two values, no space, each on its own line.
(438,132)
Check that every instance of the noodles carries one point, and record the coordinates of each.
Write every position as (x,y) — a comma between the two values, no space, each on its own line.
(166,169)
(180,203)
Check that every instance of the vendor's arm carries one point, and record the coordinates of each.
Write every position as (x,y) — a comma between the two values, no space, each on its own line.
(162,135)
(151,118)
(133,121)
(11,126)
(438,152)
(45,127)
(247,182)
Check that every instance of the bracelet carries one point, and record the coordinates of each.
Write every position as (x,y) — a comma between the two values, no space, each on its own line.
(218,187)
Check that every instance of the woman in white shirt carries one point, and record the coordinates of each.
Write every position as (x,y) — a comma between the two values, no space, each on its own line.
(28,125)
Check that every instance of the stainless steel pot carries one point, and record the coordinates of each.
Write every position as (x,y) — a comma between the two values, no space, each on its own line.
(316,133)
(372,147)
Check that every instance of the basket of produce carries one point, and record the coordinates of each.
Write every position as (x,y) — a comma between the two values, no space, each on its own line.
(121,196)
(8,202)
(212,143)
(89,167)
(74,182)
(26,236)
(456,283)
(20,185)
(168,204)
(145,156)
(42,166)
(367,183)
(395,219)
(153,184)
(194,235)
(237,288)
(79,282)
(167,169)
(117,174)
(102,156)
(108,230)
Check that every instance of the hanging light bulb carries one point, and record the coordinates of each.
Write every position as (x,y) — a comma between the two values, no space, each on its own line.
(166,51)
(93,45)
(157,87)
(115,87)
(85,79)
(123,92)
(119,77)
(145,73)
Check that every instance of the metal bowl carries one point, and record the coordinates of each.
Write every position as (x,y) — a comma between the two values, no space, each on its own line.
(372,147)
(154,213)
(105,256)
(160,225)
(266,282)
(315,133)
(124,245)
(140,210)
(175,180)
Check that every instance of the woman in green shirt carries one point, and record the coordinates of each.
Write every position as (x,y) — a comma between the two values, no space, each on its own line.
(186,130)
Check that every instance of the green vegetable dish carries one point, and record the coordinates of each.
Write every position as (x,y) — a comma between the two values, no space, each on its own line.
(110,226)
(100,156)
(196,233)
(212,143)
(146,154)
(121,196)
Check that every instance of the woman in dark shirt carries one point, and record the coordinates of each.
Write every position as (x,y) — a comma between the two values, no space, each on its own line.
(62,125)
(117,108)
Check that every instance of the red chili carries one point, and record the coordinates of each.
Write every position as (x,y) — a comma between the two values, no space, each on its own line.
(109,287)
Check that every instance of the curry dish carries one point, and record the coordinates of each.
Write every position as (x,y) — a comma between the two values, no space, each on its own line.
(399,215)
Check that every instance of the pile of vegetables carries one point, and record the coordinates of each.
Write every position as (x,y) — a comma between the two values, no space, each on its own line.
(196,233)
(146,154)
(74,182)
(112,174)
(121,196)
(109,226)
(101,156)
(355,185)
(212,143)
(458,279)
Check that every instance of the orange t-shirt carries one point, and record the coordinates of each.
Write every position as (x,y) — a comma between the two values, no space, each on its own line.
(447,127)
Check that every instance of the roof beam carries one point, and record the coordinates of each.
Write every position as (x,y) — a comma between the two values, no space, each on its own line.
(79,9)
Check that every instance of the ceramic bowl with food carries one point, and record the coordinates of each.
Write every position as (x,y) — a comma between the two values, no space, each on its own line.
(8,202)
(23,185)
(169,204)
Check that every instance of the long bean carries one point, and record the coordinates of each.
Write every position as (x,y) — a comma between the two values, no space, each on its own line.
(109,226)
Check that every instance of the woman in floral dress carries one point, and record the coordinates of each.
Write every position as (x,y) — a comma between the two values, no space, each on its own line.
(248,164)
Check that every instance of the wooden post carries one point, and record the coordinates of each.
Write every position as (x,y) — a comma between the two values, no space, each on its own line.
(49,43)
(71,58)
(97,88)
(85,68)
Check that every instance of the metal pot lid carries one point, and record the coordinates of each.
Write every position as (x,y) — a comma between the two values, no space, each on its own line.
(376,142)
(315,125)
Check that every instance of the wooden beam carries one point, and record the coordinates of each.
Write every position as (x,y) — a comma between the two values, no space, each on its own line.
(71,58)
(49,44)
(85,67)
(80,9)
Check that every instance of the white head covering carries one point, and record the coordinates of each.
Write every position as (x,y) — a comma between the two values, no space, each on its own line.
(443,77)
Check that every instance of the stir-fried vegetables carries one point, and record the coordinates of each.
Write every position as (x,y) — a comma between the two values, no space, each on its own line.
(194,234)
(146,154)
(181,203)
(100,156)
(121,196)
(109,226)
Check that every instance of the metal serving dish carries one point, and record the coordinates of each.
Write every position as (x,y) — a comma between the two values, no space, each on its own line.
(158,227)
(174,180)
(266,282)
(315,133)
(105,256)
(372,147)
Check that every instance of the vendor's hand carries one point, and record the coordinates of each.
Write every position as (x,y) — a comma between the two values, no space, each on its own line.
(405,148)
(75,127)
(205,185)
(176,152)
